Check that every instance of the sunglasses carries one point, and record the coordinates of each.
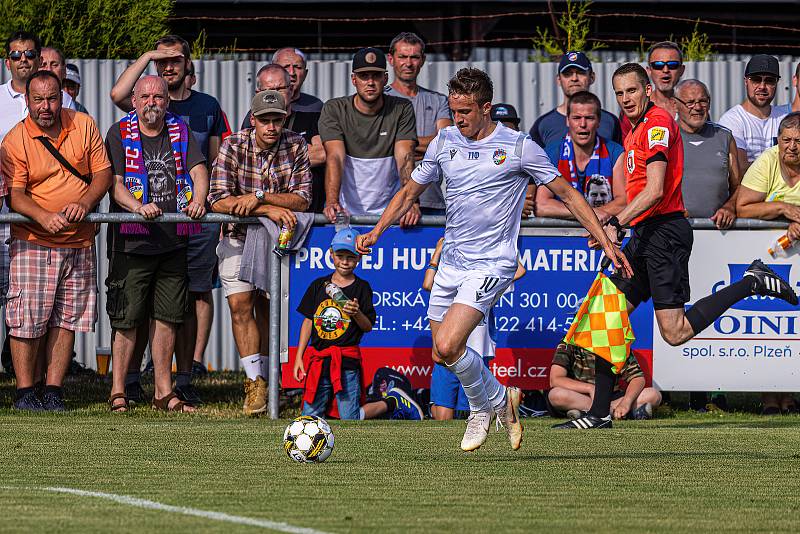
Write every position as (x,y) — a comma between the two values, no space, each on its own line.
(659,65)
(16,55)
(758,80)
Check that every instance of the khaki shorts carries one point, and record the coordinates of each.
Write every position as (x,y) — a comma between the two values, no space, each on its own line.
(229,254)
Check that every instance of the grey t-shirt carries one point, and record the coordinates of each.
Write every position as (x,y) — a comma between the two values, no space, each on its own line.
(160,164)
(370,177)
(429,107)
(705,169)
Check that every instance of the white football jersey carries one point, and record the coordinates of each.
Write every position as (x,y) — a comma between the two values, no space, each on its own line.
(485,183)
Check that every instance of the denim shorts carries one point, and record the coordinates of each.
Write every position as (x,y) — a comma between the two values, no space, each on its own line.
(348,400)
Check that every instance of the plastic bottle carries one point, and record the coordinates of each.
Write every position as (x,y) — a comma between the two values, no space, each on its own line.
(342,221)
(335,292)
(284,240)
(780,248)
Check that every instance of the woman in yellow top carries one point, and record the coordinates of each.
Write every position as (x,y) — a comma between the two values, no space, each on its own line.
(771,190)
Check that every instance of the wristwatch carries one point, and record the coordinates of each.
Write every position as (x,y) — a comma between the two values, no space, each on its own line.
(259,195)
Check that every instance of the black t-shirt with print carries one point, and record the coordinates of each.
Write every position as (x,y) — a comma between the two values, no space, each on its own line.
(160,164)
(330,325)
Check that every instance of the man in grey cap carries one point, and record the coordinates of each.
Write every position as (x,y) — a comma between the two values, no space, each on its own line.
(261,171)
(72,86)
(369,143)
(754,122)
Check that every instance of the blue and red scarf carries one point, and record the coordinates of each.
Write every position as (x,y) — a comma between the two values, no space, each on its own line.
(136,179)
(600,163)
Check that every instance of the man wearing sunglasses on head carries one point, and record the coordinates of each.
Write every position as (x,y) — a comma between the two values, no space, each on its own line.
(23,57)
(754,123)
(665,68)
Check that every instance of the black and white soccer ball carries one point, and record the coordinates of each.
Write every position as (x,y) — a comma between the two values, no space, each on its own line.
(308,439)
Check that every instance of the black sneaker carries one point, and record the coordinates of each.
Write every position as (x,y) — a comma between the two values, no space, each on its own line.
(767,283)
(78,369)
(134,393)
(188,394)
(585,423)
(199,370)
(52,402)
(29,402)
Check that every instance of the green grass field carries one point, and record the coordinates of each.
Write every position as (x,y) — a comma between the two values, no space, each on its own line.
(683,473)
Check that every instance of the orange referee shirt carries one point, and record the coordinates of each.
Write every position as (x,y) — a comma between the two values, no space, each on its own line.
(26,163)
(655,138)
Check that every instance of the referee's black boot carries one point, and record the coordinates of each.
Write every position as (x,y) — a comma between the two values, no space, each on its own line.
(587,422)
(766,282)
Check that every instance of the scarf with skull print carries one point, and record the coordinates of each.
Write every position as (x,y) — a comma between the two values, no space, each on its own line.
(136,179)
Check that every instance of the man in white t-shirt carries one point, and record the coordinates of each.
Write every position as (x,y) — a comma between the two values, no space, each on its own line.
(486,168)
(754,122)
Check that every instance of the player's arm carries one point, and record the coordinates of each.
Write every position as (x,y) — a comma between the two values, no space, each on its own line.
(617,189)
(585,215)
(302,344)
(404,158)
(433,265)
(400,204)
(547,205)
(559,379)
(520,272)
(652,193)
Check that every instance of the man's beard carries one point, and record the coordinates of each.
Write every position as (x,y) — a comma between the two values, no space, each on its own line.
(174,86)
(152,114)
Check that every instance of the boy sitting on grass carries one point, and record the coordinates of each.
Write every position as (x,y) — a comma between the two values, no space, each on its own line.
(328,356)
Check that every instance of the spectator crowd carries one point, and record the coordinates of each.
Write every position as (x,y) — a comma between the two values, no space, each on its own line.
(173,151)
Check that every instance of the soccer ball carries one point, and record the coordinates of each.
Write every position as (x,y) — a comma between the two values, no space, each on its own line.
(308,439)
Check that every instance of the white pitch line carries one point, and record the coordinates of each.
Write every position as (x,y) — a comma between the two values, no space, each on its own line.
(206,514)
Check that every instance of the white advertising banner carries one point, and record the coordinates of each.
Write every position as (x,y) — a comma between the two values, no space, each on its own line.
(755,345)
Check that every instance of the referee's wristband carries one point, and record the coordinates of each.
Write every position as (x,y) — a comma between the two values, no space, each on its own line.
(613,221)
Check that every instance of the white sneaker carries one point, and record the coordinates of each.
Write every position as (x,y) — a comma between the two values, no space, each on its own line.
(508,416)
(478,424)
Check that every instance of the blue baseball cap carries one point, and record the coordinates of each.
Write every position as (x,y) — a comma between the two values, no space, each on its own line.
(574,59)
(345,240)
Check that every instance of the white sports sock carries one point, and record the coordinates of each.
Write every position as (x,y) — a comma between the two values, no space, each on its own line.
(495,391)
(468,369)
(252,366)
(361,414)
(264,365)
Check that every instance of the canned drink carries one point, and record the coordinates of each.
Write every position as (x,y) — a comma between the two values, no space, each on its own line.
(285,237)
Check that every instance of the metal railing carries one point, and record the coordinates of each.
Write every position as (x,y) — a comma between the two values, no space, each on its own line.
(275,271)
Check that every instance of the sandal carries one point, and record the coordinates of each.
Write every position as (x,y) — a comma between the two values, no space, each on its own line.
(163,404)
(118,408)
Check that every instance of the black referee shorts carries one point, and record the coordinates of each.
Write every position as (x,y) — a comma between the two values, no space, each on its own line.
(658,252)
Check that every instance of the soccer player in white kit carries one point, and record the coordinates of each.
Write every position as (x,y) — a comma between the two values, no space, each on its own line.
(486,167)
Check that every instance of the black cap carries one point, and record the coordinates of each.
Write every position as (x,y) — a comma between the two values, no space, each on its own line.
(369,59)
(574,59)
(762,64)
(504,113)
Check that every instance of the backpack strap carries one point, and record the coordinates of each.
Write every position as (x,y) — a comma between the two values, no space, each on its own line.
(61,159)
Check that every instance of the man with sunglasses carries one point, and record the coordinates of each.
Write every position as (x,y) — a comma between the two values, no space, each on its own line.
(754,123)
(23,52)
(665,68)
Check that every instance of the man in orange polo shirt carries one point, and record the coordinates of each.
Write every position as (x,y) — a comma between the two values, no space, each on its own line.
(661,237)
(52,287)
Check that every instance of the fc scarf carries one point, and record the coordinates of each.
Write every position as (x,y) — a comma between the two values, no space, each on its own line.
(136,179)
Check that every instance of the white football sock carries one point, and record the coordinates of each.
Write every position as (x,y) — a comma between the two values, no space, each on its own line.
(361,414)
(252,366)
(468,369)
(495,391)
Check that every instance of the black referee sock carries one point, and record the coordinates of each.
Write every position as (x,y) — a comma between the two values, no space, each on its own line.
(707,310)
(21,392)
(604,380)
(391,403)
(57,390)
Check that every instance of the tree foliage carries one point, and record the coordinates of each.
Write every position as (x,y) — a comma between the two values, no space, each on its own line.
(575,25)
(89,28)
